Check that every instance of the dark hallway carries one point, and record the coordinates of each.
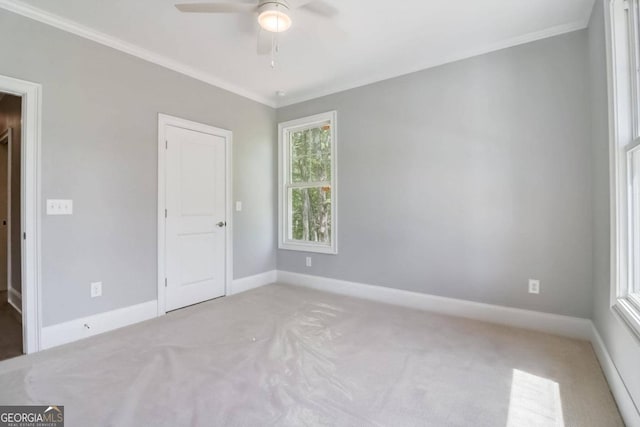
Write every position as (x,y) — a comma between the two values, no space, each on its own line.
(10,231)
(10,329)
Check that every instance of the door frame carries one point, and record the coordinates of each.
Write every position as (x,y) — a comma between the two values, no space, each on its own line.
(8,135)
(30,203)
(165,120)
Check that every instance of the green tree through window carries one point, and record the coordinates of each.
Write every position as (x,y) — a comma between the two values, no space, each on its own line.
(310,167)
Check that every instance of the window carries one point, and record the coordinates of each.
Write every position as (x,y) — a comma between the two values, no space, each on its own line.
(308,193)
(624,65)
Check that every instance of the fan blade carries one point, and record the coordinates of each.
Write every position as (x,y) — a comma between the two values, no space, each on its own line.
(295,4)
(246,23)
(216,7)
(321,8)
(265,42)
(326,31)
(322,28)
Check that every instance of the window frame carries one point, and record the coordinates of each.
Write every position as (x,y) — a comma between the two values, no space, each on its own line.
(284,211)
(622,20)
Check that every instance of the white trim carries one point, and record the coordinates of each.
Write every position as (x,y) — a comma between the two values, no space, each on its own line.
(627,408)
(229,212)
(8,135)
(15,300)
(74,330)
(166,120)
(432,63)
(83,31)
(9,219)
(629,314)
(613,158)
(283,169)
(162,162)
(84,327)
(252,282)
(30,207)
(573,327)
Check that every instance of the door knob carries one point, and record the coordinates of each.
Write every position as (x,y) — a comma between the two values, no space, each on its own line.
(221,224)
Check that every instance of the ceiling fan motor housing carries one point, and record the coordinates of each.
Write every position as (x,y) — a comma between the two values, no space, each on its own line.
(273,15)
(265,5)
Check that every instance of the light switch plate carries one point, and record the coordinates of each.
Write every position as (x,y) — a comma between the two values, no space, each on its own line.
(96,289)
(59,207)
(238,206)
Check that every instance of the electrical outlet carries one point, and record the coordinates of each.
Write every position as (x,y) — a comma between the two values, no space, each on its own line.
(96,289)
(308,261)
(534,286)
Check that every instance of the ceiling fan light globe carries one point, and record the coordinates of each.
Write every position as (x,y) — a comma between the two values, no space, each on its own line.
(274,21)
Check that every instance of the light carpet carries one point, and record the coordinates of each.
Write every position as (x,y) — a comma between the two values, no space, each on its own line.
(282,355)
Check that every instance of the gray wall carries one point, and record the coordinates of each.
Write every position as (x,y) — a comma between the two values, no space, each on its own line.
(468,179)
(10,117)
(99,144)
(621,344)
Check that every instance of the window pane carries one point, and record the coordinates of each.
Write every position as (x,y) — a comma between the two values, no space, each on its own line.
(310,214)
(634,35)
(311,154)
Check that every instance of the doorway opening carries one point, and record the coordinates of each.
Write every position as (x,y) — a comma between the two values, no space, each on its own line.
(30,95)
(11,339)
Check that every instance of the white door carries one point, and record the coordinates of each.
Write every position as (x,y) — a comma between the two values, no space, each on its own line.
(195,225)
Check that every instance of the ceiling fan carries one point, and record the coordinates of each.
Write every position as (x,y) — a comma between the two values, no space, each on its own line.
(274,16)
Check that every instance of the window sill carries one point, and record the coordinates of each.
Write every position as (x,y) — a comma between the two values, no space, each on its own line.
(302,247)
(627,309)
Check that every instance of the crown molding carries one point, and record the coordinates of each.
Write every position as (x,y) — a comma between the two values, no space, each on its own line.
(73,27)
(443,60)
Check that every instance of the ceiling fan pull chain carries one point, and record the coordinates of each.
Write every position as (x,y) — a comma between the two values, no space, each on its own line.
(274,49)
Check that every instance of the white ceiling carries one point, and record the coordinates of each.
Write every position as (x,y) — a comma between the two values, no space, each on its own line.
(379,38)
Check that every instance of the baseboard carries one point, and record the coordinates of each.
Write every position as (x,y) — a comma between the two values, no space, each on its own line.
(74,330)
(15,300)
(63,333)
(622,397)
(252,282)
(545,322)
(572,327)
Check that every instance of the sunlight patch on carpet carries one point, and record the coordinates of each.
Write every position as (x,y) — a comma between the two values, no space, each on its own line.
(535,401)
